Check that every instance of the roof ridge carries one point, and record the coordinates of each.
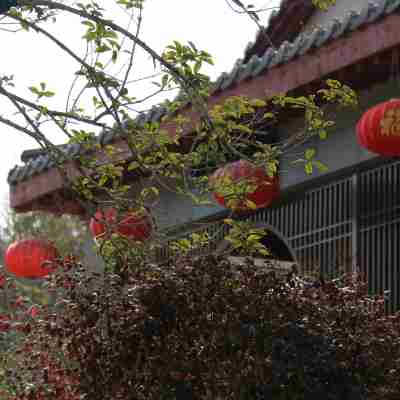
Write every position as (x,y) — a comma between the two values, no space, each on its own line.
(277,29)
(306,40)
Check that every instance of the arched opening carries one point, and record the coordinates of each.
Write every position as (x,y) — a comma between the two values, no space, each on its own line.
(278,246)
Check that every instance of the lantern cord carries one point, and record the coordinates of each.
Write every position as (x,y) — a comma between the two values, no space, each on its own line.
(395,69)
(395,72)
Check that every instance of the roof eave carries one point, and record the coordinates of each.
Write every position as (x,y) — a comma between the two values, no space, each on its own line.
(371,39)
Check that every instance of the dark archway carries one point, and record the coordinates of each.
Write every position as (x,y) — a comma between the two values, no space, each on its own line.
(274,241)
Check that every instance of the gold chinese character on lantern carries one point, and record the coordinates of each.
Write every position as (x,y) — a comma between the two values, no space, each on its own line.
(390,124)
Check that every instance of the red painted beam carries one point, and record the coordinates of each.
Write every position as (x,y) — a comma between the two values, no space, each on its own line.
(351,49)
(26,192)
(39,185)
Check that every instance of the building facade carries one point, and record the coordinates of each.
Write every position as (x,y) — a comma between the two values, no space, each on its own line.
(329,222)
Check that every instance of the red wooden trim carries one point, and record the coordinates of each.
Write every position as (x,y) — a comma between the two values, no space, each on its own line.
(357,46)
(40,185)
(50,181)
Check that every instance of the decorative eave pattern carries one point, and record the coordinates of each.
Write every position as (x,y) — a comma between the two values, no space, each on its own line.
(254,68)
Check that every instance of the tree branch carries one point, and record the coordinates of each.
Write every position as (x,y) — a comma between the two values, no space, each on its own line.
(50,112)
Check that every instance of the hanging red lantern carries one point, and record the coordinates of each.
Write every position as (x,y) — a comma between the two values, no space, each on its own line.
(31,258)
(133,225)
(378,130)
(266,190)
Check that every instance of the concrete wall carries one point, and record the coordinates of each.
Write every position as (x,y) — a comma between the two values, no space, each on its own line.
(338,10)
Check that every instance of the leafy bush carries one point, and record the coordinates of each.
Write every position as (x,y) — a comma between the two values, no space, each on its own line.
(202,329)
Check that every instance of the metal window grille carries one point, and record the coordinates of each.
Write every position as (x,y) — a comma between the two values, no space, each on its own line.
(379,229)
(351,222)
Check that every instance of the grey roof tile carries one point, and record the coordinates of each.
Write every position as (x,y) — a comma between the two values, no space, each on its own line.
(42,164)
(159,113)
(290,53)
(149,116)
(357,19)
(343,26)
(33,167)
(391,6)
(241,71)
(263,62)
(218,82)
(141,119)
(375,10)
(106,137)
(274,14)
(13,174)
(337,28)
(309,41)
(247,69)
(281,56)
(324,35)
(25,172)
(231,77)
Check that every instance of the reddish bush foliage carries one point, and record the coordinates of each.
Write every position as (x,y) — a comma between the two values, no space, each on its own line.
(202,329)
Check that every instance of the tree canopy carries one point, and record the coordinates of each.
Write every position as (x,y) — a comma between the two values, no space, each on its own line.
(108,332)
(178,152)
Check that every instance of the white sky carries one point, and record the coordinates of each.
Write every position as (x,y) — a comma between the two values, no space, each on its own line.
(210,24)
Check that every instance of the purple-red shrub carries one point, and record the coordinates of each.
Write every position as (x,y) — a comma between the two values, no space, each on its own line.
(203,329)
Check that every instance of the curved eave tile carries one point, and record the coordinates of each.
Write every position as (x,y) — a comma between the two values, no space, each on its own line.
(43,164)
(230,79)
(263,62)
(343,24)
(392,6)
(309,41)
(12,177)
(281,55)
(375,11)
(324,35)
(357,19)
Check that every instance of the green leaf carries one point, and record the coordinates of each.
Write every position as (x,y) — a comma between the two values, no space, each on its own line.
(48,93)
(34,90)
(308,167)
(310,154)
(102,48)
(320,166)
(251,204)
(133,165)
(323,134)
(253,238)
(269,115)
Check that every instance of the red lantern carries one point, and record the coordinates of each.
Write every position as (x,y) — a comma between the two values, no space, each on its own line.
(134,225)
(378,130)
(32,258)
(266,191)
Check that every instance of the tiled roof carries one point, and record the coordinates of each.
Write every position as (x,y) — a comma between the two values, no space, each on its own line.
(285,23)
(241,71)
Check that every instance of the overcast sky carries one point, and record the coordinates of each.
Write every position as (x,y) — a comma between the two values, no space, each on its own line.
(210,24)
